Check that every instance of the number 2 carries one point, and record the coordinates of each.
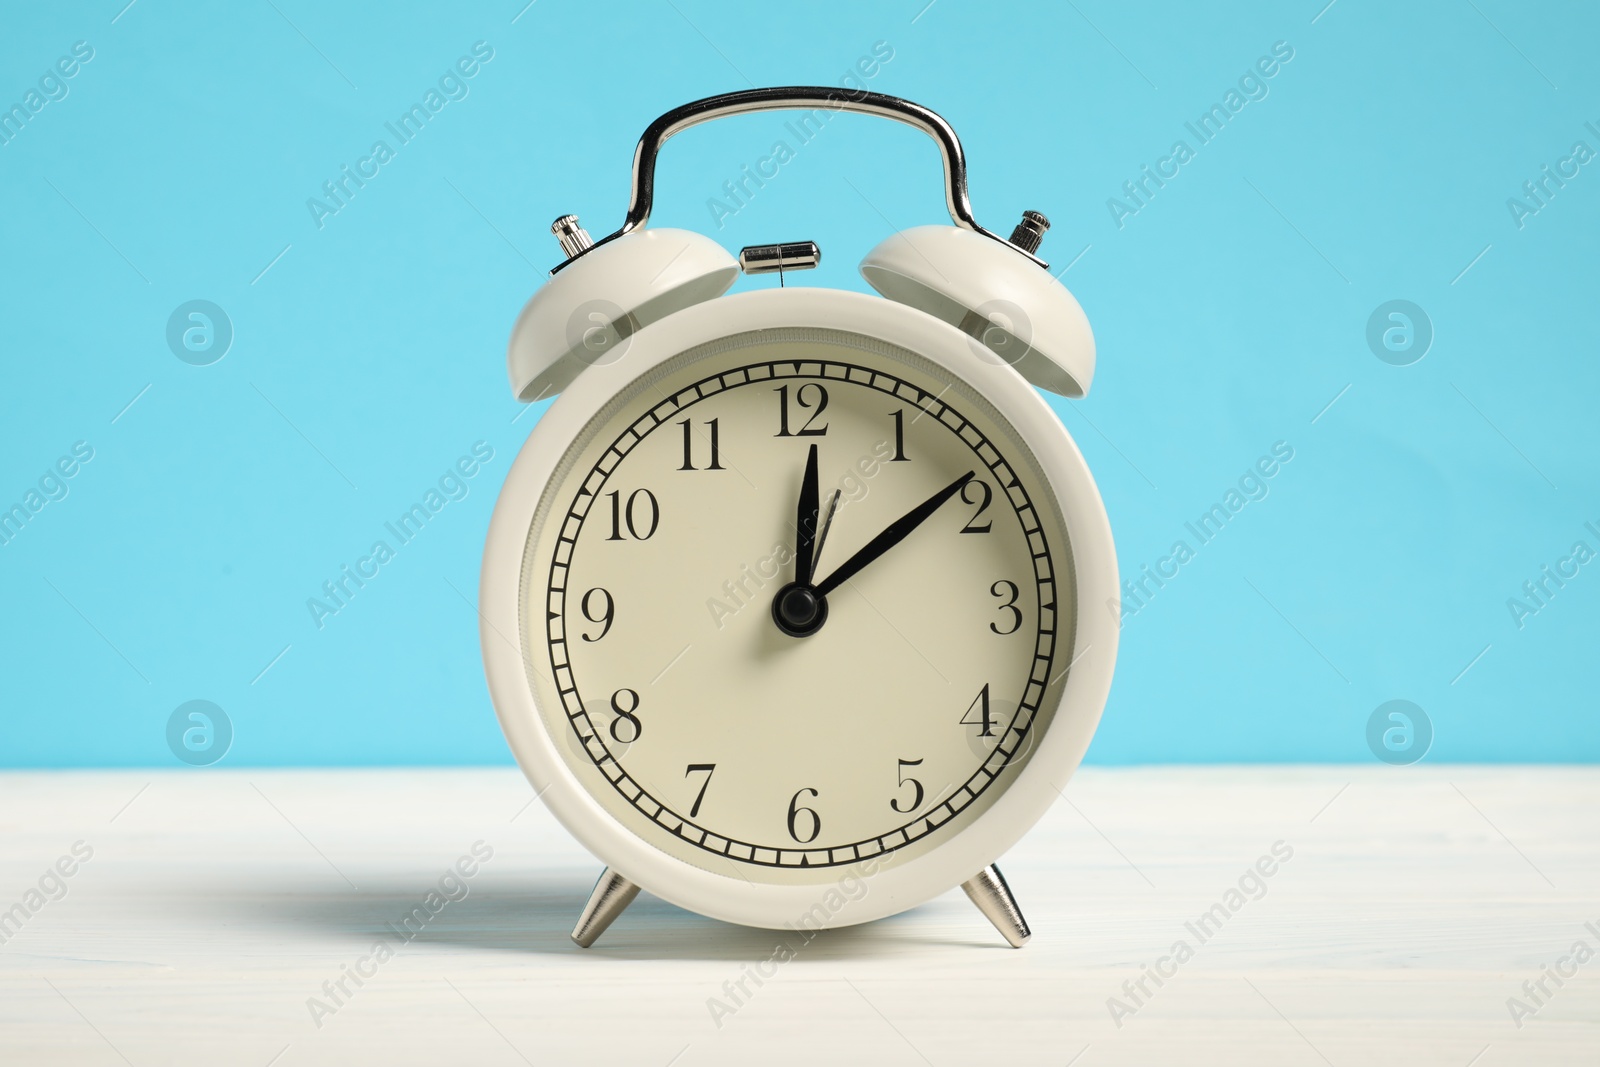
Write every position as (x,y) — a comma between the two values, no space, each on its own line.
(985,494)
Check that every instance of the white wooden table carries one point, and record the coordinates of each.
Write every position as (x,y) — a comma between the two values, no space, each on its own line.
(216,904)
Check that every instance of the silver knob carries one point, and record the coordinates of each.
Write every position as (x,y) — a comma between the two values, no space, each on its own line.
(573,238)
(1030,231)
(792,255)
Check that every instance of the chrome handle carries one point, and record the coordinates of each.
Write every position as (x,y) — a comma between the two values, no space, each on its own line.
(801,97)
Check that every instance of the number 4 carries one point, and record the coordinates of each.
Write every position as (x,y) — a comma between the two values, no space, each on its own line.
(980,704)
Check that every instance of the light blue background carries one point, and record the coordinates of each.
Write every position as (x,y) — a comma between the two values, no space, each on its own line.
(1229,312)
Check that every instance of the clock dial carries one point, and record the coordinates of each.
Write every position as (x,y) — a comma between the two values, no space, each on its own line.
(795,599)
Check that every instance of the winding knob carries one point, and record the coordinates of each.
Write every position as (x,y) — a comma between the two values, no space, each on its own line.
(574,238)
(1029,232)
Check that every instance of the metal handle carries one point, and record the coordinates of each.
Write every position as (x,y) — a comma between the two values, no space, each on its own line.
(802,97)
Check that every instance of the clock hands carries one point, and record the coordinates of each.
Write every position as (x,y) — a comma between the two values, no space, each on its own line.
(827,523)
(892,535)
(805,523)
(800,608)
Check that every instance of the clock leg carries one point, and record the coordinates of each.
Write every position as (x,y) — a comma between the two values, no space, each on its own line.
(612,893)
(988,890)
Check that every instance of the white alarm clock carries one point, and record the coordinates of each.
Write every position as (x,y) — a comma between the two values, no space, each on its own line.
(798,604)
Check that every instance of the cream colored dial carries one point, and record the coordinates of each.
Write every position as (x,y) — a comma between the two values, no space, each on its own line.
(657,661)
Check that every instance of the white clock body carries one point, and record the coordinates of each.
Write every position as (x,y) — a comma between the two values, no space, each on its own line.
(651,697)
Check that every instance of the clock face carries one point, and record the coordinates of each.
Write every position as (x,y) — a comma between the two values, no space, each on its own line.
(876,718)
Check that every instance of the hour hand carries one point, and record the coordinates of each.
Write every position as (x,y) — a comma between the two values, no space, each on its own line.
(806,523)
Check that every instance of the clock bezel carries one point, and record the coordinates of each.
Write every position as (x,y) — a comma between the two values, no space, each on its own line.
(903,884)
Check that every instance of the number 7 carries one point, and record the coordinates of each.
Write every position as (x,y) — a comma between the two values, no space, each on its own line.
(709,768)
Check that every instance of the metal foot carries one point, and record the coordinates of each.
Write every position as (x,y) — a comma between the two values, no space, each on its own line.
(612,893)
(988,890)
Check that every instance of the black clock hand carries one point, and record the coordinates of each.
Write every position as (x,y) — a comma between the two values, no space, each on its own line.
(893,535)
(827,524)
(805,556)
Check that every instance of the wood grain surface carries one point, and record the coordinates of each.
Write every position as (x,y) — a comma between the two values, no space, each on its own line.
(216,905)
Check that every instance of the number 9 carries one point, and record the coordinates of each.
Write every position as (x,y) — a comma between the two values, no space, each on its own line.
(605,615)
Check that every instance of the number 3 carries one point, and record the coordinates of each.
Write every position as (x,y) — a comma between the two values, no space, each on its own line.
(1001,589)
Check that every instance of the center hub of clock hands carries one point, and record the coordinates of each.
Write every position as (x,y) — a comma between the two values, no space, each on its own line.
(801,607)
(799,610)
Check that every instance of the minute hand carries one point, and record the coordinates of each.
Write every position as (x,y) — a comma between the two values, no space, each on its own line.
(893,535)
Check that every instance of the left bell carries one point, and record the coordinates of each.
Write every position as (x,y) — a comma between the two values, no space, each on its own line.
(584,315)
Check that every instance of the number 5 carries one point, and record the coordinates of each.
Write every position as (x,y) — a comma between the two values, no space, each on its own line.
(916,801)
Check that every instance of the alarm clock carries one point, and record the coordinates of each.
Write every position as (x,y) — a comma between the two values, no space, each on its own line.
(798,604)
